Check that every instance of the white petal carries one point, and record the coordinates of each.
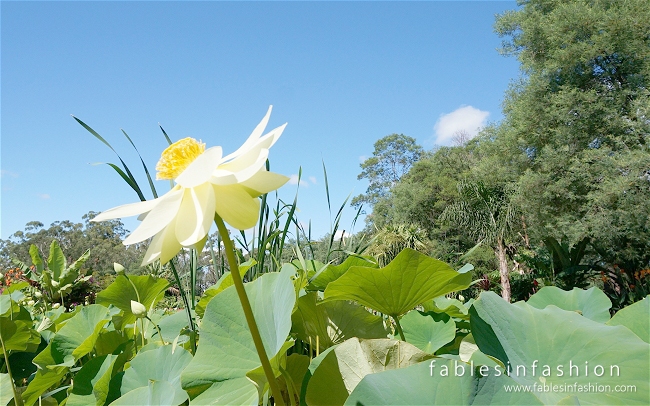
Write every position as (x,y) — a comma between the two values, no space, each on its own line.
(272,136)
(195,215)
(265,142)
(222,177)
(153,251)
(264,182)
(159,217)
(170,244)
(244,166)
(163,246)
(255,135)
(200,170)
(127,210)
(236,206)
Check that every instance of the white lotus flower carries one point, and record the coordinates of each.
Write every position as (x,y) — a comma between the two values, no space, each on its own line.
(206,183)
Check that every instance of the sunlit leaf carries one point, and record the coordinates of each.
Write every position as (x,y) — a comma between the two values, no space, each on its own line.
(550,338)
(408,280)
(226,352)
(344,367)
(592,303)
(334,322)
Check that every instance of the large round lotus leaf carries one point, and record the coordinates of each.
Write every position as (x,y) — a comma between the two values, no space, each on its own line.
(636,317)
(226,352)
(238,391)
(452,307)
(91,383)
(18,335)
(162,364)
(76,338)
(224,282)
(408,280)
(428,331)
(333,272)
(120,293)
(334,322)
(427,383)
(294,374)
(341,370)
(6,389)
(592,303)
(156,393)
(552,346)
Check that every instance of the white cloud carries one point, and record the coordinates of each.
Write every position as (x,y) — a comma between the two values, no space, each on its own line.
(44,196)
(340,233)
(312,179)
(293,180)
(466,118)
(362,158)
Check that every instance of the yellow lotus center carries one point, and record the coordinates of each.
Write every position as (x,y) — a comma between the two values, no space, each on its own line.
(178,156)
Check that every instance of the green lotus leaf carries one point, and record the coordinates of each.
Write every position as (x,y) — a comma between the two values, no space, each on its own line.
(161,364)
(343,368)
(109,341)
(293,374)
(428,331)
(469,352)
(452,307)
(171,326)
(6,389)
(227,353)
(237,391)
(18,335)
(422,384)
(156,393)
(224,282)
(408,280)
(591,303)
(334,322)
(552,346)
(333,272)
(91,383)
(636,317)
(278,363)
(76,338)
(43,379)
(121,292)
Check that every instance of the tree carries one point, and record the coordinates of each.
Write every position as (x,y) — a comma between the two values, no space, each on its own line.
(103,239)
(489,215)
(392,158)
(577,125)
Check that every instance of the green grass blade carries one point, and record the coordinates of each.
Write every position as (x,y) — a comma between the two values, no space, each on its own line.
(133,183)
(146,171)
(128,180)
(165,134)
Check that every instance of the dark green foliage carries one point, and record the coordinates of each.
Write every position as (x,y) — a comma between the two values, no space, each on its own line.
(577,126)
(104,240)
(392,158)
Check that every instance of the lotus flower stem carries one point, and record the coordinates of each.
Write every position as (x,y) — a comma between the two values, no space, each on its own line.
(248,311)
(399,328)
(187,306)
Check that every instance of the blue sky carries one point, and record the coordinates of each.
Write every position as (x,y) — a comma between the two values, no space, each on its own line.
(342,74)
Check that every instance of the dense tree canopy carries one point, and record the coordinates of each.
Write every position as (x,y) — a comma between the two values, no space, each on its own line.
(572,152)
(104,240)
(392,158)
(580,117)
